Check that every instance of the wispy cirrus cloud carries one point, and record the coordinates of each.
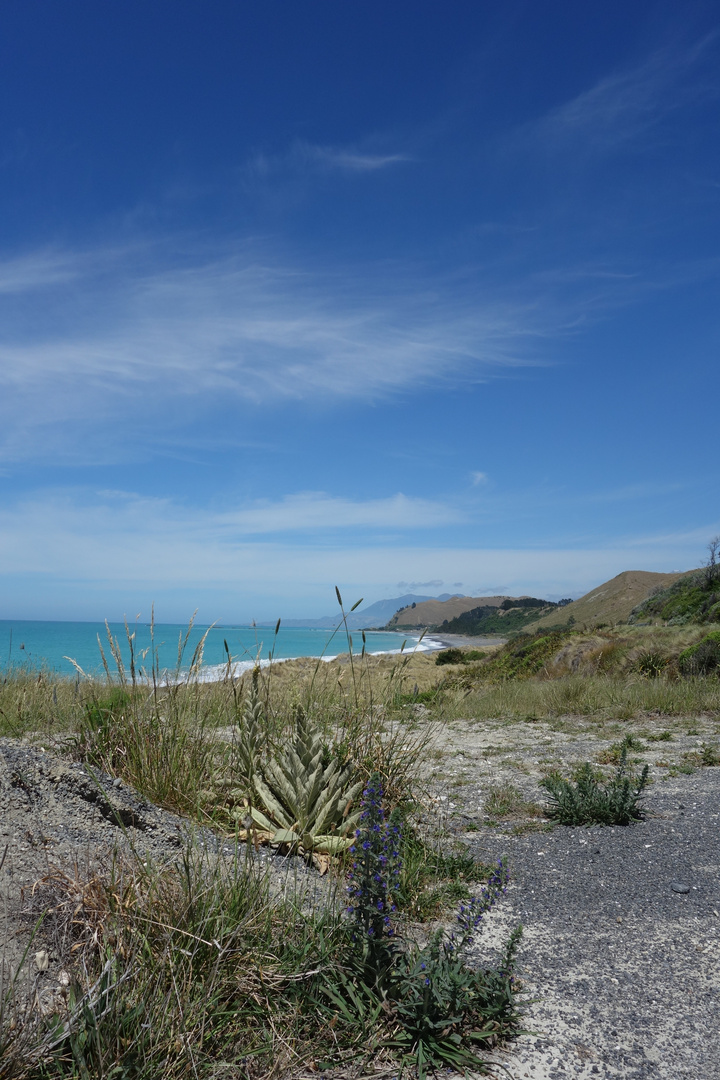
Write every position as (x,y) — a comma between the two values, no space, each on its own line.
(306,157)
(38,270)
(626,106)
(351,160)
(99,338)
(302,512)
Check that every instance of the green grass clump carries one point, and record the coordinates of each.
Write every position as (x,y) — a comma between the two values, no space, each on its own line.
(651,664)
(505,800)
(432,879)
(176,972)
(591,801)
(39,701)
(614,754)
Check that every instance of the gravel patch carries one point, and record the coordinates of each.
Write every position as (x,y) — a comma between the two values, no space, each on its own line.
(621,944)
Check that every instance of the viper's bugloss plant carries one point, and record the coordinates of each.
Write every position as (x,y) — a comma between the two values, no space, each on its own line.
(446,1006)
(375,869)
(435,1006)
(590,801)
(374,881)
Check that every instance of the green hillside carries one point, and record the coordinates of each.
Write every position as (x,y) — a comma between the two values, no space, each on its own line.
(695,598)
(512,615)
(608,604)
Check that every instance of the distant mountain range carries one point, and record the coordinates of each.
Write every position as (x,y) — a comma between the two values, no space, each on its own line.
(377,614)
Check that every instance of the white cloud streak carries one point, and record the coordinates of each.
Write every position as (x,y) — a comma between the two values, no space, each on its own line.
(111,340)
(304,157)
(622,109)
(140,549)
(316,510)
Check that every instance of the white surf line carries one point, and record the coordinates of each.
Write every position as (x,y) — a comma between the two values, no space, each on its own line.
(218,672)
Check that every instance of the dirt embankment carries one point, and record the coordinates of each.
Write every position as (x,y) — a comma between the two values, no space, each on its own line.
(60,824)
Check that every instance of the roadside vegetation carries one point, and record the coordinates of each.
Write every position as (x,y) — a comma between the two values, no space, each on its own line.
(202,970)
(200,967)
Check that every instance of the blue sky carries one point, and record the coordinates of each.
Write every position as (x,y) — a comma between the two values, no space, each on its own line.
(399,297)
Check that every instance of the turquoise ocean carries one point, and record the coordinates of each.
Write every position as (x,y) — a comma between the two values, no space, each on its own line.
(47,645)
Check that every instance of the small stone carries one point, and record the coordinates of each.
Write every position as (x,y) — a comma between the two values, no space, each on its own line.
(619,919)
(117,782)
(42,960)
(679,887)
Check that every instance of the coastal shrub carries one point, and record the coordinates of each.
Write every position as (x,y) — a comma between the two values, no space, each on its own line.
(590,801)
(521,658)
(449,656)
(694,598)
(702,658)
(437,1008)
(459,656)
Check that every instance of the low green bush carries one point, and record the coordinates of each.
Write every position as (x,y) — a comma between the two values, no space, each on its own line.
(702,658)
(694,598)
(449,656)
(591,801)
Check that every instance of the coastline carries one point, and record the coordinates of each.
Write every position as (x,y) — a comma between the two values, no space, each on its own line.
(415,646)
(216,672)
(447,641)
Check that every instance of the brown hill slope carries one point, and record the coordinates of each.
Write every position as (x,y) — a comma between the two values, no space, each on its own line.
(433,612)
(610,602)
